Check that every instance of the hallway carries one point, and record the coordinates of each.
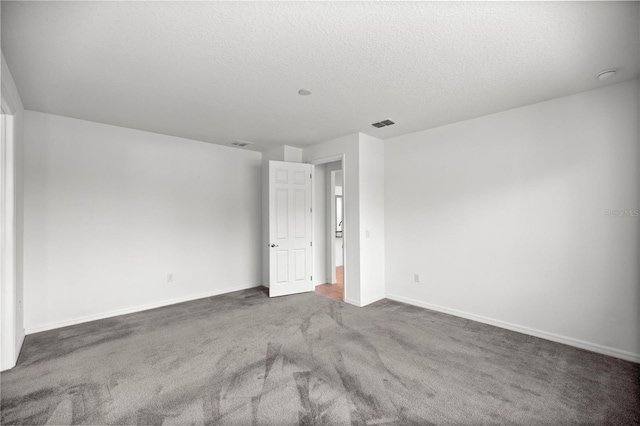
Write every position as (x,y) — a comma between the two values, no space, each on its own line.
(333,291)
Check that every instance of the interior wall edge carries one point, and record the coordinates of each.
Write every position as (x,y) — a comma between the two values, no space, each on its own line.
(570,341)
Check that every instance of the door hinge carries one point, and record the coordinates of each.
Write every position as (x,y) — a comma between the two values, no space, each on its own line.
(311,243)
(311,277)
(310,176)
(311,209)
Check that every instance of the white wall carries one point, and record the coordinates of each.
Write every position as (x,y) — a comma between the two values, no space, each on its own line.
(292,154)
(338,251)
(372,219)
(504,219)
(110,212)
(11,283)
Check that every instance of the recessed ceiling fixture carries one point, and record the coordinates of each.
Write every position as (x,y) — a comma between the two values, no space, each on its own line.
(304,92)
(383,123)
(607,74)
(240,143)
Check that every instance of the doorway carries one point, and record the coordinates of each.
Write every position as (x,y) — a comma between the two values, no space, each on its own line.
(331,236)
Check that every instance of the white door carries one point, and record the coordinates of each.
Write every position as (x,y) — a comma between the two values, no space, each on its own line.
(290,228)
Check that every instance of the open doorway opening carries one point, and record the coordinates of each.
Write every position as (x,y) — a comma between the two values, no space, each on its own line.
(331,236)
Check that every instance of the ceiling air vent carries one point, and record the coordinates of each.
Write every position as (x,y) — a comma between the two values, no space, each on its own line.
(383,123)
(240,144)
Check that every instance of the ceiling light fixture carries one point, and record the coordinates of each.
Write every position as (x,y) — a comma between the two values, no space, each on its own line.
(607,74)
(304,92)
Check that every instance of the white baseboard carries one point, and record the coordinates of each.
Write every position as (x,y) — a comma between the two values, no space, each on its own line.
(20,343)
(353,302)
(371,300)
(12,362)
(7,367)
(117,312)
(363,303)
(593,347)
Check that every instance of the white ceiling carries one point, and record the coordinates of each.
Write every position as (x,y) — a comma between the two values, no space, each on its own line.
(222,71)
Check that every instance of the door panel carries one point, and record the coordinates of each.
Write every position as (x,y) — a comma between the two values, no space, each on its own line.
(301,213)
(300,266)
(282,271)
(281,212)
(290,228)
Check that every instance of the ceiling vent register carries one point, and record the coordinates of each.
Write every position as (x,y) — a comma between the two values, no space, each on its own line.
(383,123)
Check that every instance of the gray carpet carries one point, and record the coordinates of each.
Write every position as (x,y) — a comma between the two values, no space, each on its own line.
(243,358)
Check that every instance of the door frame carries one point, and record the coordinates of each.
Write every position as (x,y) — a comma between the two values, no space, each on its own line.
(345,226)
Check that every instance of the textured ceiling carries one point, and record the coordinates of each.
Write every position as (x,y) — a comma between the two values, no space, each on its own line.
(221,71)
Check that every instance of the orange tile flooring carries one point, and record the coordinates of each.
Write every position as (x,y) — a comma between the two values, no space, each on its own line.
(333,291)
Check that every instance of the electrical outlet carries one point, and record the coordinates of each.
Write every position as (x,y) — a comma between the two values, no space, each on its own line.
(416,278)
(169,278)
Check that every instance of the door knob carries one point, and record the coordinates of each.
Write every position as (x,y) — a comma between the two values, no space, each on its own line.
(274,245)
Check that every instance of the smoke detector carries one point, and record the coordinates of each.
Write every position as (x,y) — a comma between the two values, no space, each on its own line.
(607,74)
